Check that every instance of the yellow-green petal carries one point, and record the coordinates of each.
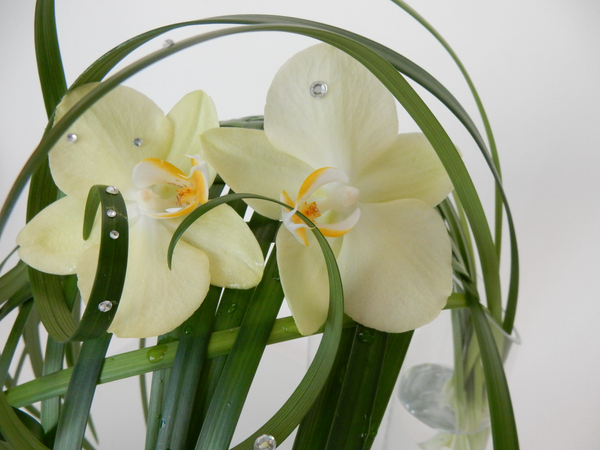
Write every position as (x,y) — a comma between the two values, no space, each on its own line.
(304,279)
(191,116)
(155,299)
(52,241)
(409,168)
(352,123)
(396,266)
(249,163)
(105,150)
(236,260)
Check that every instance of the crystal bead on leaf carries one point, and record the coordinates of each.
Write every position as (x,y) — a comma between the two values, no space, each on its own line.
(138,142)
(318,89)
(111,213)
(105,306)
(114,234)
(265,442)
(168,43)
(112,190)
(71,138)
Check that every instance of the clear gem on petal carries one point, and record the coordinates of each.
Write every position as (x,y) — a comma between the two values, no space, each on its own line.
(112,190)
(318,89)
(138,142)
(71,138)
(105,306)
(265,442)
(114,234)
(168,43)
(111,213)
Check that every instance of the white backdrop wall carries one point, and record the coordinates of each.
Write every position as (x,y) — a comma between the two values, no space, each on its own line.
(536,65)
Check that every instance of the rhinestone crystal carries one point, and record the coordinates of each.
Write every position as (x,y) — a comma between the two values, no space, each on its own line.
(138,142)
(112,190)
(318,89)
(105,306)
(265,442)
(114,234)
(111,213)
(71,138)
(168,43)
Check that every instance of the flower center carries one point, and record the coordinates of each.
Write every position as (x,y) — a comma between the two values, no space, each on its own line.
(165,191)
(325,198)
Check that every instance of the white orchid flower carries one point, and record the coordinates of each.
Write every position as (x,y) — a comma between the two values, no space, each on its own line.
(125,140)
(331,150)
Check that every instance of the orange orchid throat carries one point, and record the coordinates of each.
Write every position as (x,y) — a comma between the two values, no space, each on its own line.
(325,198)
(166,192)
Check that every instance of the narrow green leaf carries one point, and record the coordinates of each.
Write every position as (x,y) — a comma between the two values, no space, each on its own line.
(53,362)
(13,339)
(50,69)
(395,352)
(504,428)
(231,311)
(313,431)
(31,337)
(78,401)
(185,373)
(242,362)
(14,431)
(144,387)
(352,420)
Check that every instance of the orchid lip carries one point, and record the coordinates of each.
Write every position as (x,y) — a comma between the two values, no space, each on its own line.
(165,191)
(327,200)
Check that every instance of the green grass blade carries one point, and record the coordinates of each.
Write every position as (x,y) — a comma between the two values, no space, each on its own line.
(50,68)
(352,419)
(483,114)
(13,281)
(231,311)
(504,428)
(242,362)
(185,373)
(13,339)
(14,431)
(53,362)
(78,401)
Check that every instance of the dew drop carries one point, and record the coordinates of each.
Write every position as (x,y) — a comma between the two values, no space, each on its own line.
(168,43)
(366,337)
(187,330)
(138,142)
(112,190)
(105,306)
(111,213)
(232,308)
(265,442)
(114,234)
(318,89)
(71,138)
(157,353)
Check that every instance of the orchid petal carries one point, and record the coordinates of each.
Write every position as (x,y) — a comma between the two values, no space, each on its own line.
(410,168)
(236,260)
(53,240)
(155,299)
(249,163)
(191,116)
(354,122)
(104,151)
(304,279)
(396,266)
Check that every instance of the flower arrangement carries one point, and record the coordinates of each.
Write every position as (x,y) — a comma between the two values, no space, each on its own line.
(194,230)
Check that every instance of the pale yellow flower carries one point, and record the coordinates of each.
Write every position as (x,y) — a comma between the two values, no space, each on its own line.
(126,141)
(331,149)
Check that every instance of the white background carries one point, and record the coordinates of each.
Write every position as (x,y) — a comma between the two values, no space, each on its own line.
(536,66)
